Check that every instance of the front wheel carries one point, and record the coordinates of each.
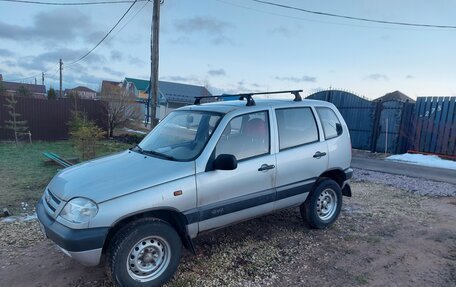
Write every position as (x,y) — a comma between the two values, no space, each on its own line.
(322,206)
(144,253)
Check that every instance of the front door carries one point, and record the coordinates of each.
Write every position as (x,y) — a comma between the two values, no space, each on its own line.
(225,197)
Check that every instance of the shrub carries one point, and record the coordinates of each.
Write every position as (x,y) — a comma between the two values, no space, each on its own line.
(85,134)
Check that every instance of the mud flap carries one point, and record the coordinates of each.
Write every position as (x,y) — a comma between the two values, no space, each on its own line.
(346,190)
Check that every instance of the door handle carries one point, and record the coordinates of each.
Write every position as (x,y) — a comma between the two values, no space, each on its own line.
(265,167)
(319,154)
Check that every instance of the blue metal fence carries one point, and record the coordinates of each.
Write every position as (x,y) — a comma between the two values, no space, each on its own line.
(358,113)
(374,125)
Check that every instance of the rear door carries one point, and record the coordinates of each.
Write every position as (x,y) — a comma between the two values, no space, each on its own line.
(302,154)
(339,145)
(228,196)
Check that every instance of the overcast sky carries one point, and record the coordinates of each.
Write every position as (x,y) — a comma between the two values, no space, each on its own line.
(239,45)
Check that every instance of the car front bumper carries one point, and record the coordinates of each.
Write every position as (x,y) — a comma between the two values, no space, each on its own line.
(84,245)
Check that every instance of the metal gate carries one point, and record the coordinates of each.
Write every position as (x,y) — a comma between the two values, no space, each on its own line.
(394,127)
(358,113)
(373,125)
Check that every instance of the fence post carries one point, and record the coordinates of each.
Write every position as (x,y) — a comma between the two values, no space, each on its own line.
(406,127)
(376,126)
(386,136)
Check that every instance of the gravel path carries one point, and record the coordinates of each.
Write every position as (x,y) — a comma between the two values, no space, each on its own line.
(387,235)
(414,185)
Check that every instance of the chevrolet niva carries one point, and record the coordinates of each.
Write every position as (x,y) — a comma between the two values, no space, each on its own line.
(203,167)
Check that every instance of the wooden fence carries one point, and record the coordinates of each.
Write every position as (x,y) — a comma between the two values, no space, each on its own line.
(48,119)
(435,125)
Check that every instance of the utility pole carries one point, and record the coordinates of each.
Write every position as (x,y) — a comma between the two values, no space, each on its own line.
(42,78)
(154,58)
(61,67)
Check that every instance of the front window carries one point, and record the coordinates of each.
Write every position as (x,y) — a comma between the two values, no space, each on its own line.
(181,136)
(245,136)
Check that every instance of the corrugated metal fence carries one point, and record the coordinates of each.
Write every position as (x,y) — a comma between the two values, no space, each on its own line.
(373,125)
(357,112)
(48,119)
(435,125)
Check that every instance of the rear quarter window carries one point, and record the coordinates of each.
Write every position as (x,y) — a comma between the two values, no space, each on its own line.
(329,122)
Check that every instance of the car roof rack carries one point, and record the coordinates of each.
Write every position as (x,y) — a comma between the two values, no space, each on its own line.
(248,96)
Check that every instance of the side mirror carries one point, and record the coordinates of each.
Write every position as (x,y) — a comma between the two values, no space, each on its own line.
(225,162)
(339,129)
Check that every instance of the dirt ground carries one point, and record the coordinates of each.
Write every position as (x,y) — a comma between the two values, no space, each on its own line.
(384,237)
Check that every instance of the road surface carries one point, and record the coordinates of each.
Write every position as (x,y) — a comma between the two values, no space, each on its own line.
(393,167)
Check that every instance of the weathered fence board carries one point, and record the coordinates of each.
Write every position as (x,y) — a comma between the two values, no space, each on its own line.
(48,119)
(435,121)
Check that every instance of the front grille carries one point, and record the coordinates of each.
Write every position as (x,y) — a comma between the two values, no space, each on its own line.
(51,202)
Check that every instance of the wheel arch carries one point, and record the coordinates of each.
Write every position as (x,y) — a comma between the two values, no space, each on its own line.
(337,174)
(174,217)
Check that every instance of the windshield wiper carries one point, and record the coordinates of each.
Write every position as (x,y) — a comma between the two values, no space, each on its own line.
(138,148)
(159,154)
(152,152)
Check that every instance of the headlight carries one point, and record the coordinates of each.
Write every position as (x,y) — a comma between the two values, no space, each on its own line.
(79,210)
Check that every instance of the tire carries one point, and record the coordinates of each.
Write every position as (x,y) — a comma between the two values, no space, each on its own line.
(322,206)
(145,252)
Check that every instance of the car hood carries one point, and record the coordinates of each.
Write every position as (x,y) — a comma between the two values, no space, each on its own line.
(116,175)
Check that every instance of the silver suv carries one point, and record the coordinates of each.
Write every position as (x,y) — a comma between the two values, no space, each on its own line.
(203,167)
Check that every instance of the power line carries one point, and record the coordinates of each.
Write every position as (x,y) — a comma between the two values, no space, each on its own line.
(73,3)
(314,20)
(354,18)
(105,36)
(71,67)
(131,19)
(31,77)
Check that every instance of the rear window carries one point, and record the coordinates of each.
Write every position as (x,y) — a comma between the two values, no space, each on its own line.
(329,121)
(296,126)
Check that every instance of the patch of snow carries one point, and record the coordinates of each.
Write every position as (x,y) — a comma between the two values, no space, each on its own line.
(135,131)
(23,218)
(425,160)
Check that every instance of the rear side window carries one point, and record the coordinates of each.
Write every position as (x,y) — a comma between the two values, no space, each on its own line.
(329,121)
(297,126)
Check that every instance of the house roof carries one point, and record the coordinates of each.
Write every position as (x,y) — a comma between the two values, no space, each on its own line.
(82,89)
(140,85)
(183,93)
(34,89)
(395,96)
(173,92)
(112,83)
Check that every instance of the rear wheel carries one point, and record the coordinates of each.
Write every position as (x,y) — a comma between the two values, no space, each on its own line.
(322,206)
(144,253)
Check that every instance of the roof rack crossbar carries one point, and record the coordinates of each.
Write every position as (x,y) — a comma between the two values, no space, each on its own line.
(248,96)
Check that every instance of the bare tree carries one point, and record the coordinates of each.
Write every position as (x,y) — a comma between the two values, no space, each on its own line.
(119,106)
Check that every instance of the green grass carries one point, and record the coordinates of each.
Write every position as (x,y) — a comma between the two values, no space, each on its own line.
(362,279)
(24,172)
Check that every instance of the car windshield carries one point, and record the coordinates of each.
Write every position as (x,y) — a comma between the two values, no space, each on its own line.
(181,136)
